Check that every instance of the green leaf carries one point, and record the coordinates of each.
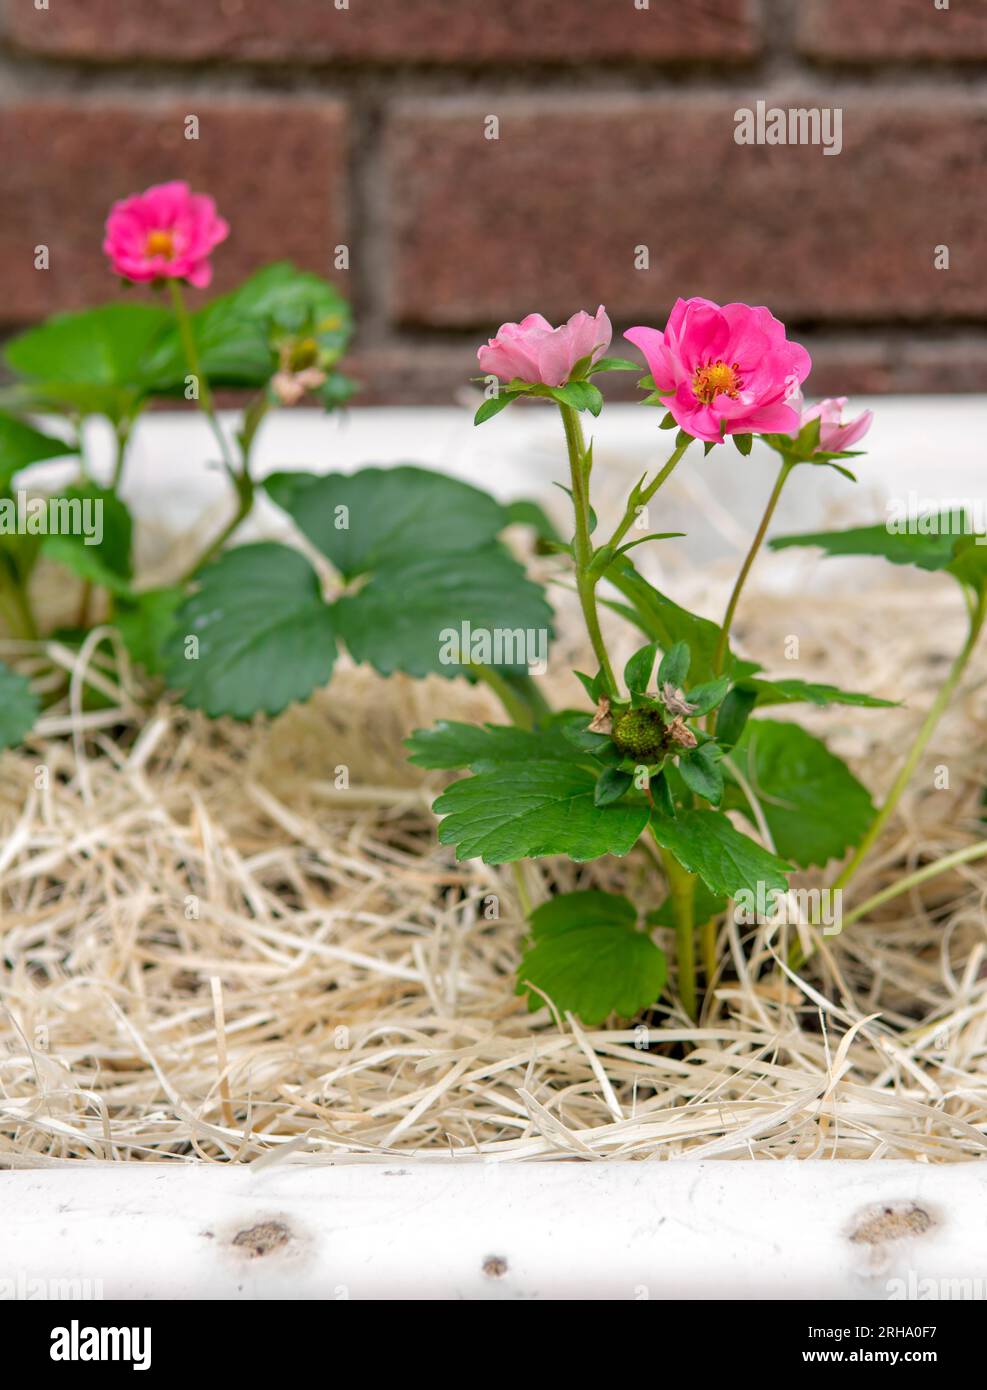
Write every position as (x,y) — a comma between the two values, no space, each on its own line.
(708,695)
(614,364)
(22,445)
(524,512)
(90,362)
(480,747)
(707,843)
(814,806)
(733,715)
(744,443)
(637,672)
(18,707)
(933,550)
(674,666)
(590,959)
(701,772)
(413,615)
(363,520)
(105,561)
(145,621)
(611,785)
(668,422)
(660,618)
(581,395)
(265,636)
(493,406)
(525,810)
(705,906)
(969,564)
(237,335)
(781,692)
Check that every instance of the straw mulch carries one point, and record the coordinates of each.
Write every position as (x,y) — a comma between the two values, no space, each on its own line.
(211,951)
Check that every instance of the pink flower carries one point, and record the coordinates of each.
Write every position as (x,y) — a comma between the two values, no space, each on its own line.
(534,351)
(728,370)
(834,436)
(164,233)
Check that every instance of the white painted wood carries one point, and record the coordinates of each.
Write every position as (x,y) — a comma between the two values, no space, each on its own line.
(477,1230)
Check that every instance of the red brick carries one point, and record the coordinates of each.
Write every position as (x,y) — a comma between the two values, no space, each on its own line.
(276,170)
(875,31)
(547,217)
(387,30)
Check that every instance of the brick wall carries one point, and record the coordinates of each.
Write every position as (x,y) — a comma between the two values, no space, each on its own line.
(615,177)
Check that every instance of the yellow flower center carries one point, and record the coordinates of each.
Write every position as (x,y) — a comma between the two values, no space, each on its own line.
(716,379)
(160,244)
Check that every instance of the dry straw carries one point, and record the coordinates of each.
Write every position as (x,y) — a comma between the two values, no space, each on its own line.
(211,952)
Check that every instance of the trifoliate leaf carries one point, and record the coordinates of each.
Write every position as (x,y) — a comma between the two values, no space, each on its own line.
(361,521)
(708,844)
(18,707)
(254,637)
(443,613)
(590,959)
(479,747)
(814,806)
(525,810)
(933,548)
(90,362)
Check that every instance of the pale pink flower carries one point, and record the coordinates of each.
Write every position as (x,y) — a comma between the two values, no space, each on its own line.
(165,233)
(725,370)
(535,352)
(834,435)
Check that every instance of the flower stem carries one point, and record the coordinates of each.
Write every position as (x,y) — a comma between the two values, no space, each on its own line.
(922,738)
(582,542)
(941,866)
(123,428)
(682,890)
(640,499)
(518,712)
(187,335)
(745,569)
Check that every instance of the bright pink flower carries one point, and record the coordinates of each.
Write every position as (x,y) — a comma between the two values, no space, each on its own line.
(834,436)
(164,233)
(728,370)
(534,351)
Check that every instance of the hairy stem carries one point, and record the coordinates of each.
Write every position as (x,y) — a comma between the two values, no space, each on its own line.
(582,542)
(745,569)
(682,890)
(922,738)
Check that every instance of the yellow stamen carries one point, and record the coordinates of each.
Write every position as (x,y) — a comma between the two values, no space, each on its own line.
(715,379)
(160,244)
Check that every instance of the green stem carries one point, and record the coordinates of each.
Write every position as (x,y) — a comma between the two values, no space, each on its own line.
(582,542)
(745,569)
(707,935)
(123,428)
(640,499)
(519,712)
(941,866)
(187,335)
(682,890)
(921,741)
(245,500)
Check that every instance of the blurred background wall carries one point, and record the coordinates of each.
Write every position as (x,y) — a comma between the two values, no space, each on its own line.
(614,177)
